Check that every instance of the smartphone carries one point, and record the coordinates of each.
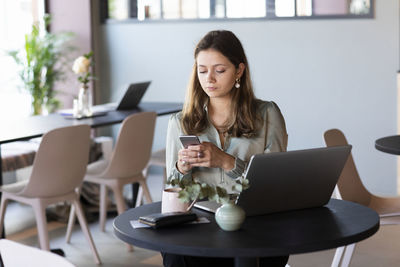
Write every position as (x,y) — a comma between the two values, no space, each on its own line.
(189,140)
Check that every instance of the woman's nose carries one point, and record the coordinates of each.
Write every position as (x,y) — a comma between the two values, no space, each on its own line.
(210,77)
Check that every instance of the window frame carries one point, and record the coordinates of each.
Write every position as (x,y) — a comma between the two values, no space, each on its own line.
(104,16)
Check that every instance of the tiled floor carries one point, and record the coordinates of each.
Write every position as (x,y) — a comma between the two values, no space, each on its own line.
(380,250)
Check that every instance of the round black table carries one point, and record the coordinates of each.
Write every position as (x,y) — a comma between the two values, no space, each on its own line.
(337,224)
(389,144)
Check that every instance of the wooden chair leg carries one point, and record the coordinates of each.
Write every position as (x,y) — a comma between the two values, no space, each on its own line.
(71,222)
(146,191)
(85,229)
(41,224)
(121,206)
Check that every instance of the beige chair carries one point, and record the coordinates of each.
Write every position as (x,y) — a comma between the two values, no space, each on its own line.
(11,255)
(351,188)
(128,160)
(58,169)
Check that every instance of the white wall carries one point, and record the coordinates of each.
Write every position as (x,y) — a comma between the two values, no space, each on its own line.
(322,74)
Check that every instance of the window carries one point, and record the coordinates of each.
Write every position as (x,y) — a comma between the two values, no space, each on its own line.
(16,17)
(142,10)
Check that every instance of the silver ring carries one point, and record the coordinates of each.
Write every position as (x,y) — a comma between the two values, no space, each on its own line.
(199,154)
(183,162)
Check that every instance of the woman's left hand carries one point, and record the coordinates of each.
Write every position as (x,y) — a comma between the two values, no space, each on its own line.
(209,155)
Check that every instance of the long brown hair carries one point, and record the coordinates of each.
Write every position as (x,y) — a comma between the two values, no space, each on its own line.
(245,120)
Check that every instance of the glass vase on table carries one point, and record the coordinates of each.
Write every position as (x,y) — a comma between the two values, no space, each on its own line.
(84,102)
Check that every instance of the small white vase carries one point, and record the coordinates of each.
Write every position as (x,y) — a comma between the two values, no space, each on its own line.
(230,217)
(84,102)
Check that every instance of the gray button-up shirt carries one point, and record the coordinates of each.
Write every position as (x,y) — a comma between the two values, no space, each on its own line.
(272,137)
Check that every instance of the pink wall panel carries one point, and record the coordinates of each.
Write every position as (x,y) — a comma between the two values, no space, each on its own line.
(72,16)
(331,7)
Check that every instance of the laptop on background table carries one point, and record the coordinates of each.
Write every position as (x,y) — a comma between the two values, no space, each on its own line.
(133,95)
(292,180)
(130,100)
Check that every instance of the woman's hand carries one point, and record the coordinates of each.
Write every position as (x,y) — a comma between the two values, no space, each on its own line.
(204,155)
(183,164)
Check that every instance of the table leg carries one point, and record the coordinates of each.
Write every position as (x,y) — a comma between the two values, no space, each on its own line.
(135,190)
(246,262)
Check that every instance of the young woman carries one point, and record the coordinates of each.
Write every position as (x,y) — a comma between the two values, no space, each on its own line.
(232,125)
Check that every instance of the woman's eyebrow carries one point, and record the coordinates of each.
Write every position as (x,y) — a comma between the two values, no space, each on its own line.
(215,65)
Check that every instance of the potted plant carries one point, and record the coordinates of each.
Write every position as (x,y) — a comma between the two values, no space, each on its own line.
(40,65)
(229,216)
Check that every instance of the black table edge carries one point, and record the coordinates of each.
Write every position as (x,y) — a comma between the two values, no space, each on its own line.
(304,249)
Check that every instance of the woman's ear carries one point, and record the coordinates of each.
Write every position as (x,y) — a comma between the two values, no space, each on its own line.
(240,70)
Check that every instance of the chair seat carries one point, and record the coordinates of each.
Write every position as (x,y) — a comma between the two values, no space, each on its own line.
(97,167)
(14,187)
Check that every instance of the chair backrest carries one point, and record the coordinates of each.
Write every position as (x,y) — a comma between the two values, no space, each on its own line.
(60,162)
(133,146)
(16,254)
(350,185)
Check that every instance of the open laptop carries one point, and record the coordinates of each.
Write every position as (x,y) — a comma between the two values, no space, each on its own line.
(133,96)
(130,100)
(290,180)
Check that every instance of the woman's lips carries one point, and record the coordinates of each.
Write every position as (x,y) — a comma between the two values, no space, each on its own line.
(211,88)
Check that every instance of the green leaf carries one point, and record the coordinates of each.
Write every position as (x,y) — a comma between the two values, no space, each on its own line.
(184,196)
(192,190)
(237,188)
(88,55)
(41,64)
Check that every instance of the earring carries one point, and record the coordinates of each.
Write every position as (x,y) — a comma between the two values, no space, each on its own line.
(237,84)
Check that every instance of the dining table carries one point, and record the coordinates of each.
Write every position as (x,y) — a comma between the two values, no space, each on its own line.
(35,126)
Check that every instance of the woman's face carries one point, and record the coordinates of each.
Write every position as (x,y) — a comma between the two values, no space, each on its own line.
(216,73)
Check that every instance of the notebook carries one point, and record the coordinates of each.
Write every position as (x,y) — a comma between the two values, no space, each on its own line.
(292,180)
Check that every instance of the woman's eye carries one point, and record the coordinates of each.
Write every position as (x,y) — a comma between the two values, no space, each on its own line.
(220,71)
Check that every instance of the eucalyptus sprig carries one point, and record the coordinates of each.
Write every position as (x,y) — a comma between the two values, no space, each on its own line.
(192,190)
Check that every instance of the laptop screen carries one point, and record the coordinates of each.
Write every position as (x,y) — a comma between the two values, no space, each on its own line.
(133,96)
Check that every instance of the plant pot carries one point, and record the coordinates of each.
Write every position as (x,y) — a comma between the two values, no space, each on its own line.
(171,202)
(230,217)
